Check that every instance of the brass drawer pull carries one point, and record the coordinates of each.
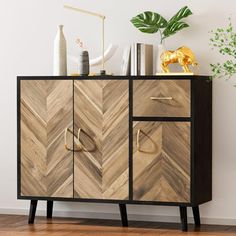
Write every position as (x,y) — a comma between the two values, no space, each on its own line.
(161,98)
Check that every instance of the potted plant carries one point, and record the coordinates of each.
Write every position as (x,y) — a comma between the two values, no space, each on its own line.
(152,22)
(224,41)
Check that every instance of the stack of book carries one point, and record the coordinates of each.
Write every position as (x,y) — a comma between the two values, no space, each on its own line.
(137,60)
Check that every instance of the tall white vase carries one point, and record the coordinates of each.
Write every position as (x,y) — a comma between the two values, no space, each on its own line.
(60,54)
(160,50)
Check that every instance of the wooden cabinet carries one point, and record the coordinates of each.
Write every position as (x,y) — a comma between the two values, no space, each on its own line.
(124,140)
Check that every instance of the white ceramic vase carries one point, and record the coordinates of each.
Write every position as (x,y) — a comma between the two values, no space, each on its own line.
(160,50)
(60,54)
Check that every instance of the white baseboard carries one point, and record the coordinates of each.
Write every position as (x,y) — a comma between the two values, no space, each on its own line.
(116,216)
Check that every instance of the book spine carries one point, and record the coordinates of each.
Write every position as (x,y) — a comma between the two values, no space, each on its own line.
(138,58)
(133,59)
(142,60)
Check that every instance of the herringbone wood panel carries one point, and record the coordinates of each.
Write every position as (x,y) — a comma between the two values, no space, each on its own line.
(101,111)
(178,106)
(161,166)
(46,110)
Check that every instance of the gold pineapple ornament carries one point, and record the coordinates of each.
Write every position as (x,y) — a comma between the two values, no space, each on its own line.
(183,55)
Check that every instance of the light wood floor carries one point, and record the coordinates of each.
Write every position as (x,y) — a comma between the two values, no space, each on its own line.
(11,225)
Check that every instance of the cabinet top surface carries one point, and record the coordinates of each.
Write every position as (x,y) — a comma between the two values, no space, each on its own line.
(109,77)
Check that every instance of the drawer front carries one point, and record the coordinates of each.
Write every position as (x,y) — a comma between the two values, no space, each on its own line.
(161,161)
(163,98)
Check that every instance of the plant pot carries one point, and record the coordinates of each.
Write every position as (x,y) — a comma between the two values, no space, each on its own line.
(160,49)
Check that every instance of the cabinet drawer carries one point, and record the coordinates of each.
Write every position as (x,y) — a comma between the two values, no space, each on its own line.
(163,98)
(161,161)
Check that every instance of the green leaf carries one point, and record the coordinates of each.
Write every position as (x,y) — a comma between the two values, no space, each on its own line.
(182,13)
(149,22)
(174,28)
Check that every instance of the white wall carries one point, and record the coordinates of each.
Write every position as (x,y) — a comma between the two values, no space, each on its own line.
(27,31)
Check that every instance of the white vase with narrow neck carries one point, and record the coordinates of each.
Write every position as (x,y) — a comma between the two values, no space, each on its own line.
(160,49)
(60,54)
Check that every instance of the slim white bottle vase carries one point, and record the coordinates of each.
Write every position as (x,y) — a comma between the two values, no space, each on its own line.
(60,54)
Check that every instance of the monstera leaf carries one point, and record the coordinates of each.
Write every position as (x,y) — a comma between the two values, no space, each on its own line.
(149,22)
(182,13)
(174,28)
(174,25)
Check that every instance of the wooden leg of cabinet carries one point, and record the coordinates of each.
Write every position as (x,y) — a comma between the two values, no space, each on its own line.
(49,209)
(33,207)
(123,214)
(196,216)
(184,218)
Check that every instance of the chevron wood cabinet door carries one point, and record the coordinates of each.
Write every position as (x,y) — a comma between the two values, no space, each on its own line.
(161,161)
(101,116)
(46,167)
(162,98)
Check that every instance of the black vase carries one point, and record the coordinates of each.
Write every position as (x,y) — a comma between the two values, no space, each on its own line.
(84,63)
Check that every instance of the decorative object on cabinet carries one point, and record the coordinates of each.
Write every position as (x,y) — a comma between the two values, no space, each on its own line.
(115,139)
(83,65)
(108,54)
(126,61)
(224,41)
(141,59)
(184,56)
(102,17)
(60,55)
(160,49)
(152,22)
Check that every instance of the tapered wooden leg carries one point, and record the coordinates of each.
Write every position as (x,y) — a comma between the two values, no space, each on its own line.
(183,217)
(123,215)
(33,207)
(196,216)
(49,209)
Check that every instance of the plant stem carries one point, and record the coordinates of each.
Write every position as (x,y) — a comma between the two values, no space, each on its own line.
(161,36)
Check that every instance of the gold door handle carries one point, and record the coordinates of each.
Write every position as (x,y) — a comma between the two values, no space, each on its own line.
(65,139)
(78,143)
(161,98)
(151,150)
(76,140)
